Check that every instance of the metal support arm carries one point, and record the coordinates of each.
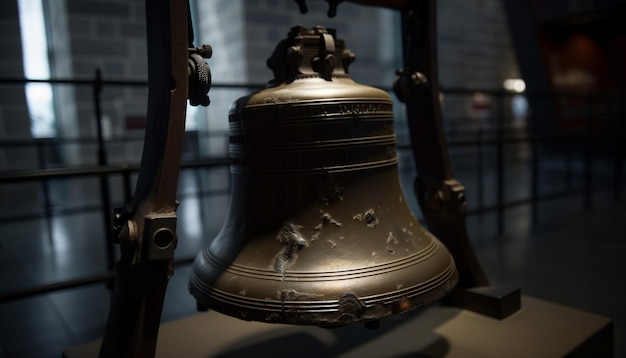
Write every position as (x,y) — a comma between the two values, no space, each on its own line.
(441,197)
(146,228)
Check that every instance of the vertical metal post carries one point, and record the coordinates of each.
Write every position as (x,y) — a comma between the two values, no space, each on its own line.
(568,149)
(104,180)
(588,157)
(445,219)
(480,169)
(619,151)
(47,202)
(128,193)
(534,168)
(147,230)
(500,165)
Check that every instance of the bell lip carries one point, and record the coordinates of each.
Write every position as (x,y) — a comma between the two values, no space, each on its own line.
(331,315)
(292,307)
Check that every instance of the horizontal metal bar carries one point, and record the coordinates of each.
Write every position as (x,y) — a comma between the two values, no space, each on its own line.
(105,82)
(93,208)
(543,197)
(46,174)
(67,284)
(449,90)
(56,286)
(53,212)
(458,133)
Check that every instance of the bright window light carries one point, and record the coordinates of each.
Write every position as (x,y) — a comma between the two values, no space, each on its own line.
(514,85)
(35,57)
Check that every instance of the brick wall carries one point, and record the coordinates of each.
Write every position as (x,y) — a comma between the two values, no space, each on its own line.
(220,23)
(110,36)
(474,51)
(244,33)
(363,29)
(14,119)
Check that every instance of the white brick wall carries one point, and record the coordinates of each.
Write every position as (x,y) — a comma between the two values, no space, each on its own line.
(474,51)
(14,119)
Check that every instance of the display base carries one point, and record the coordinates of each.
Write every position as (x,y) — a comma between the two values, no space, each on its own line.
(538,329)
(495,301)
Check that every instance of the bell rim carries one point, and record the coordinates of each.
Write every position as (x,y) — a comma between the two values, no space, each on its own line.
(308,309)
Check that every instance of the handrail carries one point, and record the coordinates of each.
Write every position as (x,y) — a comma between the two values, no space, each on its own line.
(446,90)
(105,82)
(43,174)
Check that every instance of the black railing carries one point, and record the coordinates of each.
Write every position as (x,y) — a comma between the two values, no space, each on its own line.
(497,138)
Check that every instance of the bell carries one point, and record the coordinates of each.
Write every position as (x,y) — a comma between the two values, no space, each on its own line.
(318,230)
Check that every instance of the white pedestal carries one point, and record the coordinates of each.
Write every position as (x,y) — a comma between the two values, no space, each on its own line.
(539,329)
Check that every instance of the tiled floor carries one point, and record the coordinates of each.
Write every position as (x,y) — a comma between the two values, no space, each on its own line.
(569,256)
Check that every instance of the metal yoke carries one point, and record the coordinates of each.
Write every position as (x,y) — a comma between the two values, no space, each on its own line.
(146,228)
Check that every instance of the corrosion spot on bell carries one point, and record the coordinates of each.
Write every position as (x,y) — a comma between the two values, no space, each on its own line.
(273,100)
(293,295)
(242,292)
(332,195)
(374,254)
(368,218)
(404,305)
(350,307)
(332,243)
(392,238)
(292,241)
(290,235)
(327,218)
(390,250)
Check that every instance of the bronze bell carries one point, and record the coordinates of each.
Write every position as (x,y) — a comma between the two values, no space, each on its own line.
(318,230)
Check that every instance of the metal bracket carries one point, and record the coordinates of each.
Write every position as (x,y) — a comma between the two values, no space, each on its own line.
(159,237)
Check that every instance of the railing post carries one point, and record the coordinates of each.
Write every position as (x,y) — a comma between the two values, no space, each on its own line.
(128,193)
(534,168)
(480,171)
(568,149)
(500,164)
(104,179)
(588,156)
(47,202)
(619,150)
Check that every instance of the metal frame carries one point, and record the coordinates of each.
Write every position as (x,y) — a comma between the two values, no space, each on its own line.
(146,229)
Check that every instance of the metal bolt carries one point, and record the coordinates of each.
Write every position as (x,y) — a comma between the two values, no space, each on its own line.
(206,51)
